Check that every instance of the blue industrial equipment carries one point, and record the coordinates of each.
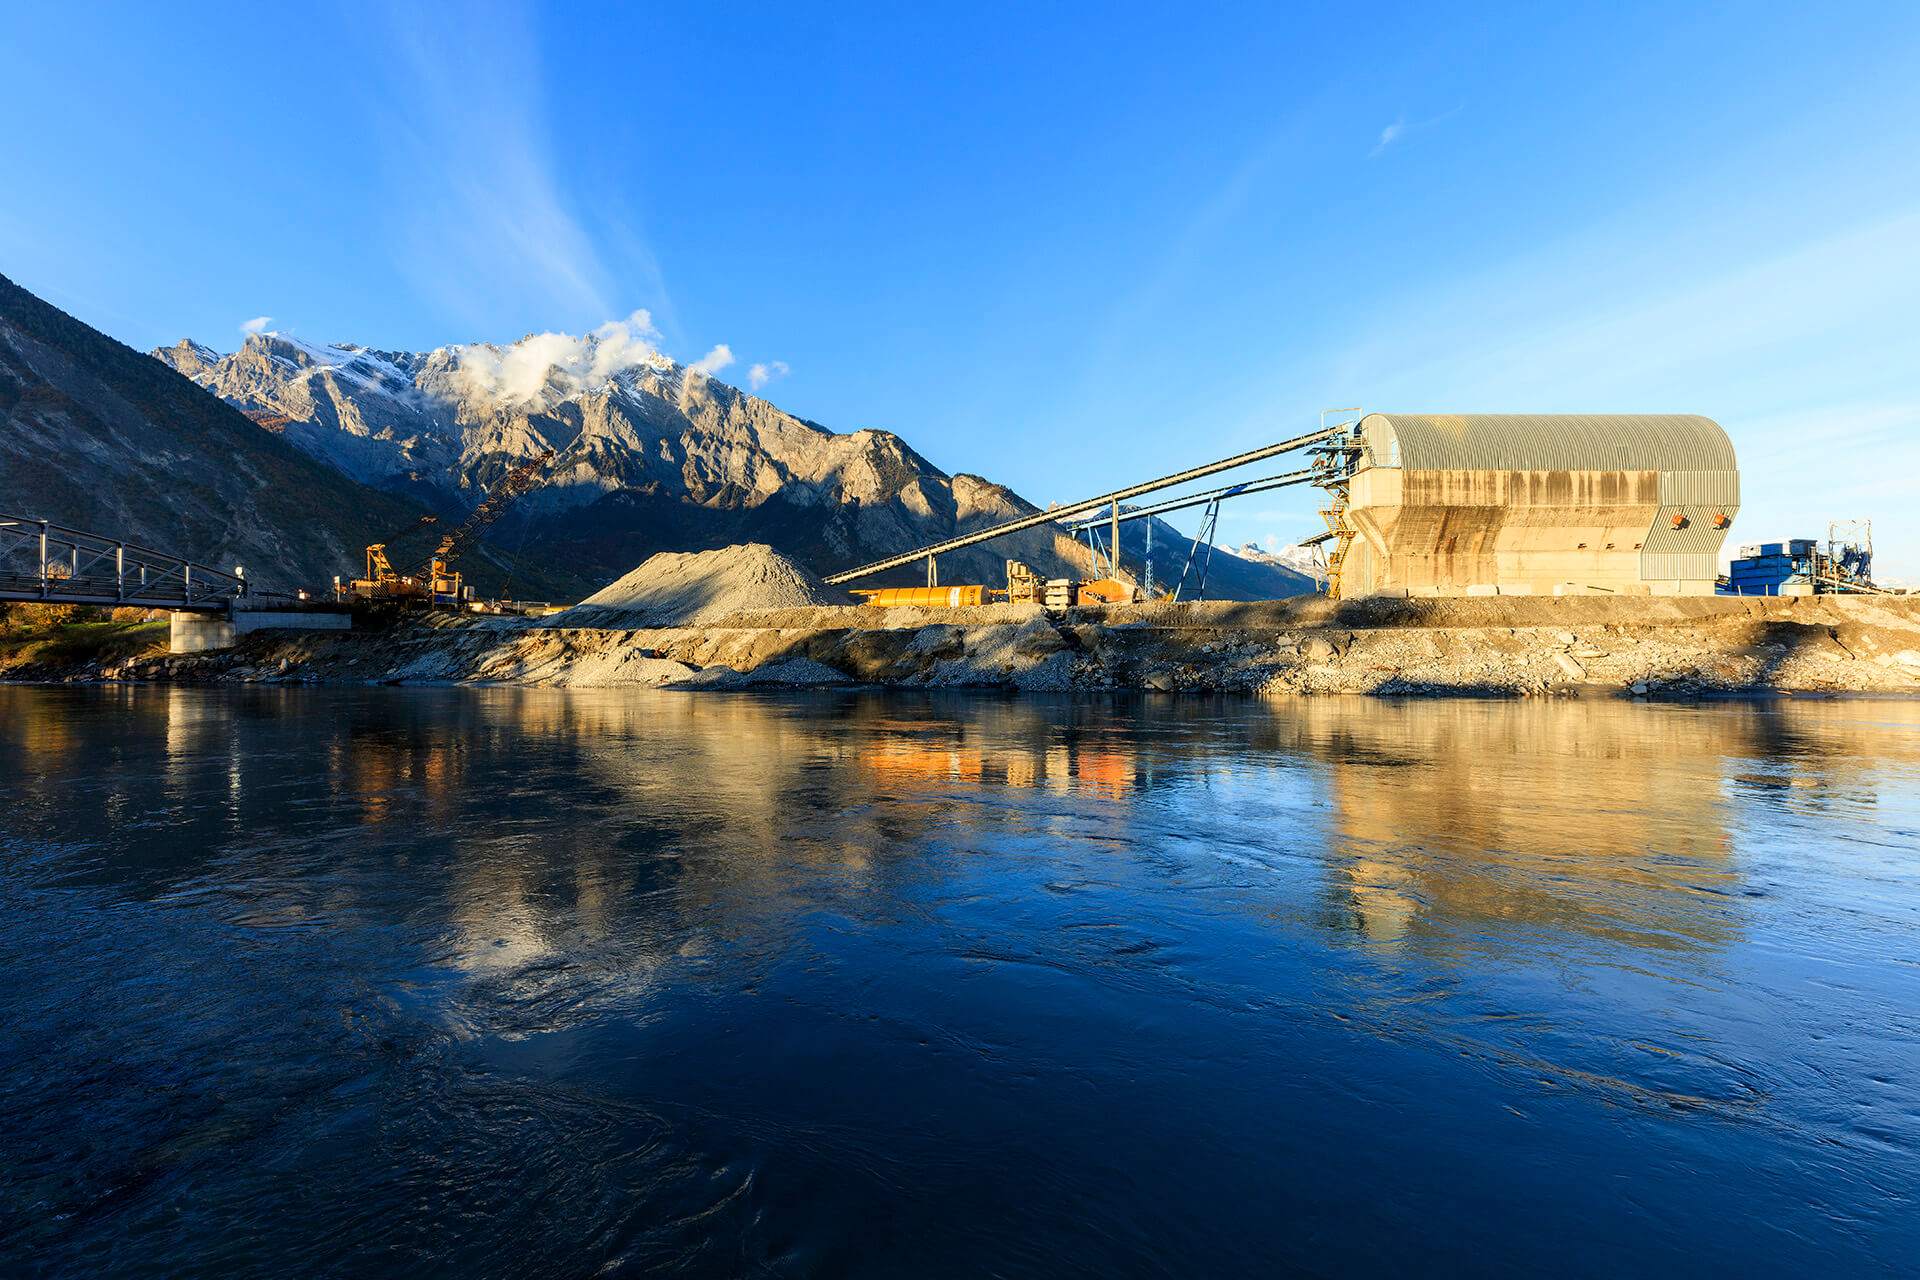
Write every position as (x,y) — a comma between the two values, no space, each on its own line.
(1799,566)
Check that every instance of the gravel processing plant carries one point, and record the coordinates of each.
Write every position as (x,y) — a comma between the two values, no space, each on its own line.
(1442,535)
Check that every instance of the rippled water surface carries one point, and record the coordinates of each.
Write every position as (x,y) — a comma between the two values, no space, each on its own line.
(503,983)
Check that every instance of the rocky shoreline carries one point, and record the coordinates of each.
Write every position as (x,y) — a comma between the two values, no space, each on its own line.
(1436,648)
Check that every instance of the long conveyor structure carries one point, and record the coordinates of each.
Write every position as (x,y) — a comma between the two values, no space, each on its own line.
(1202,499)
(1112,500)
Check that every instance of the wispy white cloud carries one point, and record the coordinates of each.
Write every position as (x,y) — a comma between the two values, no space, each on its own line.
(256,325)
(714,361)
(1400,129)
(1388,136)
(489,230)
(761,374)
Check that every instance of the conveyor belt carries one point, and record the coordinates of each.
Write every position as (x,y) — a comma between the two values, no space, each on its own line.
(1081,508)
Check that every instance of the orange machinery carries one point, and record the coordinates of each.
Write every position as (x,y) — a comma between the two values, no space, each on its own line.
(1024,586)
(1109,591)
(926,597)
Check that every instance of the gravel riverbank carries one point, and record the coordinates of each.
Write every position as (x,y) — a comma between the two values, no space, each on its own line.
(1309,645)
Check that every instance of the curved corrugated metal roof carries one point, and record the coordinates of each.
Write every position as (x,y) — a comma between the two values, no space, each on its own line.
(1553,441)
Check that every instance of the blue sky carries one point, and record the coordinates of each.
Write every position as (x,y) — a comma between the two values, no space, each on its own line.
(1066,247)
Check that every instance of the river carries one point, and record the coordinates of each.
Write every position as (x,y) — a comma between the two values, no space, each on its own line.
(497,982)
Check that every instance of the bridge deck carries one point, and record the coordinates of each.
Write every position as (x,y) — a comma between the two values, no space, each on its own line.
(46,563)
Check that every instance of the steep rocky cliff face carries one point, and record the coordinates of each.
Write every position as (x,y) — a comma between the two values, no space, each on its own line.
(653,456)
(96,436)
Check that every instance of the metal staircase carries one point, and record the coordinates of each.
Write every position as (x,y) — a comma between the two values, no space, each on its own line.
(1339,534)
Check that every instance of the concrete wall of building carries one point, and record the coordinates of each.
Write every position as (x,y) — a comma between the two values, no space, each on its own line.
(1526,532)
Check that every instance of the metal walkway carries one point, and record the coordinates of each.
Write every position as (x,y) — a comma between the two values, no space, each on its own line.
(42,562)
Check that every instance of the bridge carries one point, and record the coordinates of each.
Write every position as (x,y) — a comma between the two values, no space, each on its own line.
(47,564)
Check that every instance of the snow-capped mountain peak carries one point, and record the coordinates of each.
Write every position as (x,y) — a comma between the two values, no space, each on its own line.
(543,367)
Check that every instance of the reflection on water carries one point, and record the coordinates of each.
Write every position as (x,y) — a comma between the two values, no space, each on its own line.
(512,981)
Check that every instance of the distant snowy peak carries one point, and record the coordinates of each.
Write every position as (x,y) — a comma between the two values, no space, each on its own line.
(194,359)
(1298,559)
(626,417)
(536,373)
(299,352)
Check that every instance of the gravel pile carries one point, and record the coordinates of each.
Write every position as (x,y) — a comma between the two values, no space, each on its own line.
(686,589)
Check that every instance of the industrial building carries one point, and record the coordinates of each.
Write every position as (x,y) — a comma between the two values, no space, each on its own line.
(1534,504)
(1802,567)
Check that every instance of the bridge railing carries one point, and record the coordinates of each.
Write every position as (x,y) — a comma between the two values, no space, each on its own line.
(42,561)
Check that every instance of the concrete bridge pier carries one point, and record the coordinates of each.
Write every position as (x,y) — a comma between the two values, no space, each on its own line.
(200,632)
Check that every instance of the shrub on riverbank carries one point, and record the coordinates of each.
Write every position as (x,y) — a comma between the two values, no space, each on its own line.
(57,635)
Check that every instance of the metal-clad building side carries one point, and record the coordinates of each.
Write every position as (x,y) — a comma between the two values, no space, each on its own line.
(1459,504)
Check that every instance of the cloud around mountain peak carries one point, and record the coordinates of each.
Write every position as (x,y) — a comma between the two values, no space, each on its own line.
(541,367)
(523,372)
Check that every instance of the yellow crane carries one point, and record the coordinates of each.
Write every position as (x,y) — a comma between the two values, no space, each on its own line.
(435,583)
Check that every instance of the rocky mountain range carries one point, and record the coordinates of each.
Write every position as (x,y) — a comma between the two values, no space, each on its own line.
(97,436)
(1294,559)
(653,455)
